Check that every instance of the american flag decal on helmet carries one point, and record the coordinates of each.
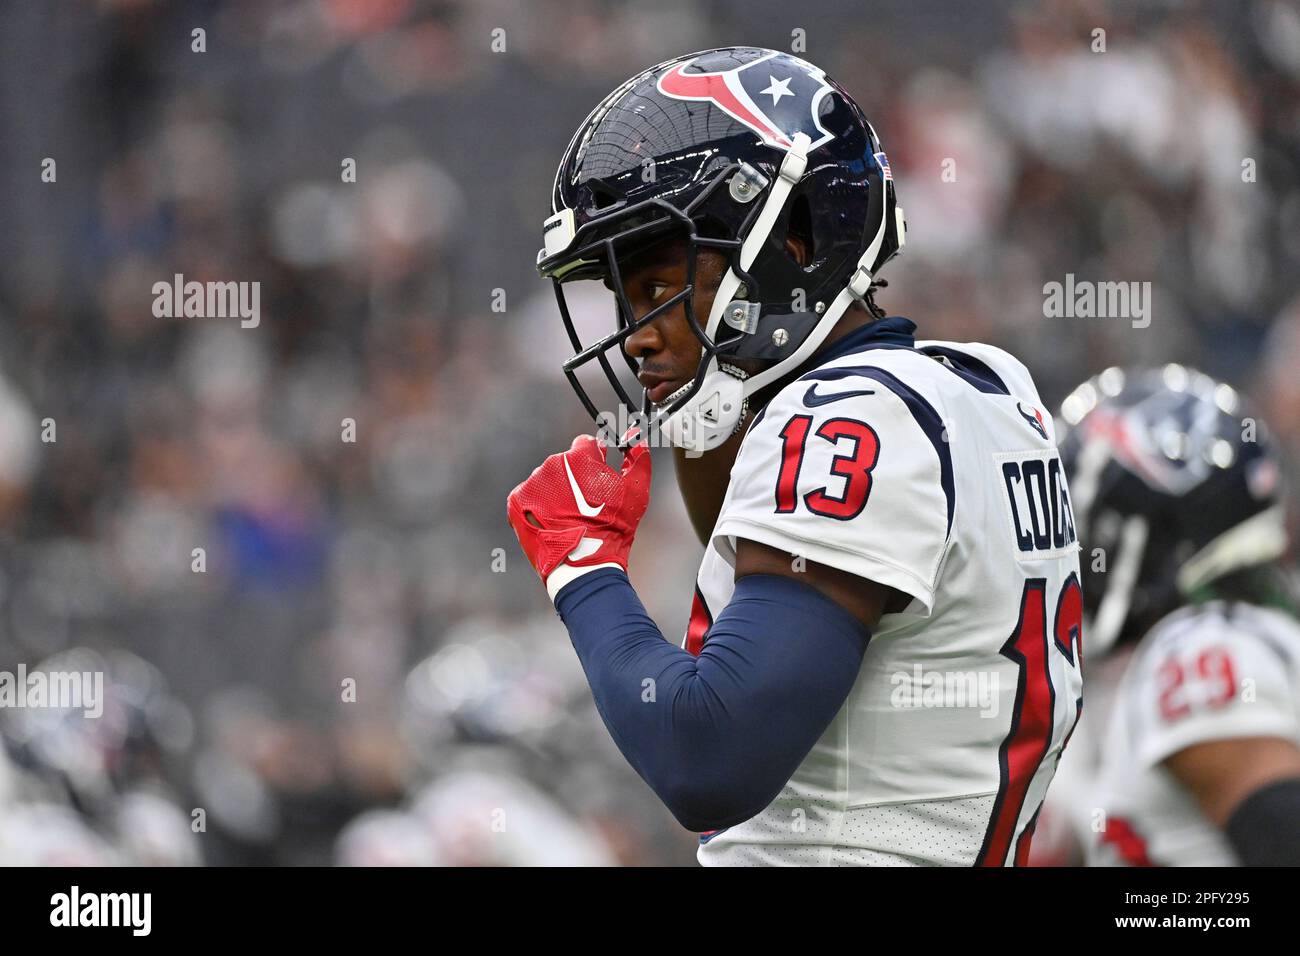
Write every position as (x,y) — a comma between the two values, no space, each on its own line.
(883,160)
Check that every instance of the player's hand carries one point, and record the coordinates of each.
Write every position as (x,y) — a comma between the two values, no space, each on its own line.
(575,512)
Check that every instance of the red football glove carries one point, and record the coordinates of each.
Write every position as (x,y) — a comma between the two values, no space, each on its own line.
(586,513)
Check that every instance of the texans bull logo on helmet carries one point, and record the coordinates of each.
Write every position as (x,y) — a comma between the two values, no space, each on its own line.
(775,98)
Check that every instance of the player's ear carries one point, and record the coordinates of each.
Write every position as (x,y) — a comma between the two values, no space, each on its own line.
(797,248)
(798,232)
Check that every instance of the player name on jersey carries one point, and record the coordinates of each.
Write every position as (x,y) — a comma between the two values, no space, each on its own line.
(1041,517)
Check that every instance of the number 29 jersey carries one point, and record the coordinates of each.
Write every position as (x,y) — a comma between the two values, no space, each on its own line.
(931,468)
(1216,671)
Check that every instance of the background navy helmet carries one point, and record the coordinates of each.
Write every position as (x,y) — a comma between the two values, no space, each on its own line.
(732,149)
(1176,483)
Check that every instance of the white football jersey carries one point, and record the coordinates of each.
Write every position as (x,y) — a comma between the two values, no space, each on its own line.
(931,469)
(1212,672)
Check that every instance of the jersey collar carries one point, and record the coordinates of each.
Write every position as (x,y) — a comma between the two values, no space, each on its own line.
(892,331)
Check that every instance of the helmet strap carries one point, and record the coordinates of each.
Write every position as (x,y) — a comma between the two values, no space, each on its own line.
(701,424)
(1104,631)
(716,381)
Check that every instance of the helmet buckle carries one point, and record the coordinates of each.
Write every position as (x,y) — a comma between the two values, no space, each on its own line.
(860,284)
(746,183)
(742,315)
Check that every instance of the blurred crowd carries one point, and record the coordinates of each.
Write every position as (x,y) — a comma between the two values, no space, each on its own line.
(358,667)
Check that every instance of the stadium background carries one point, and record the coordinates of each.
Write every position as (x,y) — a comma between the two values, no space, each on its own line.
(472,738)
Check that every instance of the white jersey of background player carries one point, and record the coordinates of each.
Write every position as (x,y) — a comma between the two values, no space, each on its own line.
(1179,512)
(938,475)
(1221,671)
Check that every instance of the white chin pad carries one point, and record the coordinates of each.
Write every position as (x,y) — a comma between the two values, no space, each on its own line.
(710,418)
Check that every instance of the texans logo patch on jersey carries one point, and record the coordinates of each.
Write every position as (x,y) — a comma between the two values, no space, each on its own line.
(775,100)
(1035,420)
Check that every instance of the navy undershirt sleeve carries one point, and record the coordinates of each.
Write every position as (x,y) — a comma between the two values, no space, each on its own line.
(715,736)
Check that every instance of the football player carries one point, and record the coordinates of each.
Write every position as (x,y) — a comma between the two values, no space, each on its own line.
(883,659)
(1178,499)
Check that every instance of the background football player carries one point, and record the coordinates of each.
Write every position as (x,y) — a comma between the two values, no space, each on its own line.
(1177,494)
(883,660)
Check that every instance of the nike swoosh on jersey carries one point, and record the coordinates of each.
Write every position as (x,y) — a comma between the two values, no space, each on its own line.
(812,399)
(586,510)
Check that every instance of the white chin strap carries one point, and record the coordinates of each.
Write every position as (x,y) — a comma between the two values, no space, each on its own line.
(717,410)
(712,415)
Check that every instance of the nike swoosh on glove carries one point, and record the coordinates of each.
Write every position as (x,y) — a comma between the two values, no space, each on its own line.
(585,513)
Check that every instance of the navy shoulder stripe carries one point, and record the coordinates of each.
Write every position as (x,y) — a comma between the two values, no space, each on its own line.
(921,410)
(974,371)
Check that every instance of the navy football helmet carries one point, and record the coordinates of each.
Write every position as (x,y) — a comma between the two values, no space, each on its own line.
(732,149)
(1177,485)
